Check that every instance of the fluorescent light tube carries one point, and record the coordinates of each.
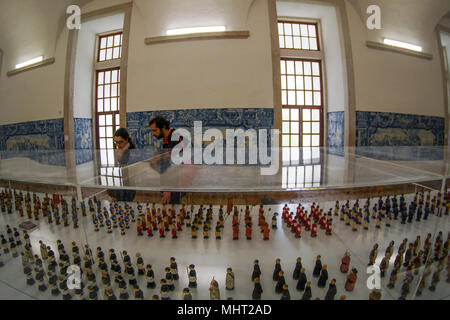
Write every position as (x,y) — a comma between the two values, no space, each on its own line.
(29,62)
(403,45)
(173,32)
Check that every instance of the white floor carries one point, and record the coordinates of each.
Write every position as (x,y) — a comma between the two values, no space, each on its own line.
(212,257)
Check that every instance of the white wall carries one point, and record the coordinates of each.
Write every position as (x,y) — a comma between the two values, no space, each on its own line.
(332,39)
(393,82)
(29,29)
(84,64)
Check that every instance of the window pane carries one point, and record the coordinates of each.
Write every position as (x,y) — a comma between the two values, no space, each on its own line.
(282,42)
(283,67)
(286,154)
(117,40)
(100,78)
(283,82)
(306,115)
(114,76)
(102,144)
(298,67)
(114,90)
(109,54)
(291,98)
(100,92)
(109,120)
(295,155)
(101,120)
(285,141)
(116,53)
(306,141)
(283,97)
(109,145)
(295,127)
(110,41)
(308,98)
(308,83)
(287,29)
(102,132)
(315,141)
(285,115)
(306,127)
(306,155)
(110,155)
(107,105)
(315,127)
(100,105)
(107,91)
(317,99)
(296,29)
(308,174)
(289,43)
(304,30)
(114,104)
(294,114)
(102,55)
(280,28)
(299,83)
(313,44)
(315,115)
(307,68)
(300,98)
(290,67)
(294,141)
(316,154)
(104,157)
(117,119)
(285,127)
(297,43)
(316,83)
(291,82)
(315,69)
(312,31)
(317,173)
(108,77)
(109,132)
(305,43)
(103,43)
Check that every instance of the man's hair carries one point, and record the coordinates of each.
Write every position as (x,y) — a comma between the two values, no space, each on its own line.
(160,122)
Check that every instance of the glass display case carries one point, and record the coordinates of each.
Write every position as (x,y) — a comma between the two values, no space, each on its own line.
(123,210)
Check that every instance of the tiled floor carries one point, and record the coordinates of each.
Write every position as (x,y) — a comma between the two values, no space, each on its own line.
(211,257)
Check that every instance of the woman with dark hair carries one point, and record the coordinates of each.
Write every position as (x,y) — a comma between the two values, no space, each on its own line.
(123,144)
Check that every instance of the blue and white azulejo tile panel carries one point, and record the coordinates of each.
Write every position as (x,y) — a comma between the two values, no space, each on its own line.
(42,141)
(83,140)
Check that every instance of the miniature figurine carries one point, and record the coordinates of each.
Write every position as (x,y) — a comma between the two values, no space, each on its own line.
(186,294)
(280,282)
(298,267)
(276,270)
(317,267)
(256,270)
(307,294)
(192,275)
(375,294)
(331,290)
(345,262)
(150,277)
(323,277)
(214,291)
(351,280)
(229,279)
(285,295)
(302,280)
(392,279)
